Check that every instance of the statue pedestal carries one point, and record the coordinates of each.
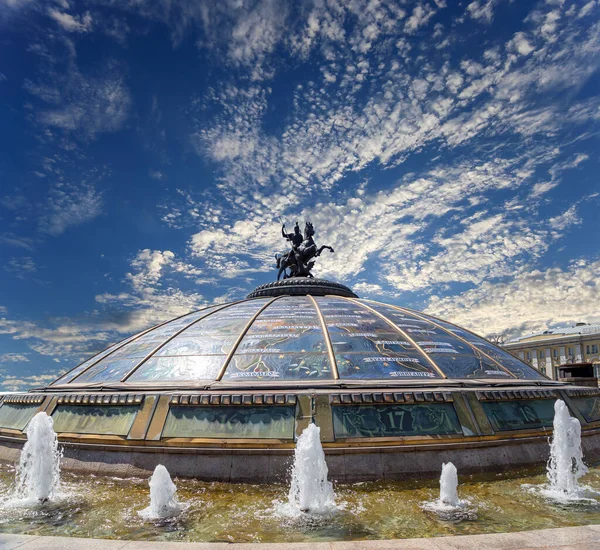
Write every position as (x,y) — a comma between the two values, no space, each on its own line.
(302,286)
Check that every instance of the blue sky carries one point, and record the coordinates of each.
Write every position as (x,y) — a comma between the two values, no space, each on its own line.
(448,151)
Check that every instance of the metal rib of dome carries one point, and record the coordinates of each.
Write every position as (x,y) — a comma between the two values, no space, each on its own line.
(290,339)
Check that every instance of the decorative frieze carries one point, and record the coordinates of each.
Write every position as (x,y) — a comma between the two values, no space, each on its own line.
(24,399)
(101,399)
(390,397)
(507,395)
(237,399)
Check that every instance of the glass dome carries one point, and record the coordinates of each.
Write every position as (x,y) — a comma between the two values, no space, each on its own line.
(291,339)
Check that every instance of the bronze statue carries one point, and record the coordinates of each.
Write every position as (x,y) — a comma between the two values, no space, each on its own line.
(301,258)
(295,238)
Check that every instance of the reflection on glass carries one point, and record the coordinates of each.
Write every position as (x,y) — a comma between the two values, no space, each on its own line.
(589,407)
(107,370)
(455,357)
(473,365)
(230,320)
(270,422)
(16,416)
(66,378)
(508,361)
(184,368)
(391,366)
(294,366)
(395,420)
(370,342)
(88,419)
(198,344)
(520,414)
(116,365)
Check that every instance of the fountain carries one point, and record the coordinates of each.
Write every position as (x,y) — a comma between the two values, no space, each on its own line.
(310,492)
(449,485)
(448,506)
(565,466)
(38,473)
(163,500)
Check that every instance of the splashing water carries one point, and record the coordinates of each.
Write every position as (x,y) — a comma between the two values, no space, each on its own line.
(38,473)
(310,492)
(449,507)
(449,485)
(566,466)
(163,500)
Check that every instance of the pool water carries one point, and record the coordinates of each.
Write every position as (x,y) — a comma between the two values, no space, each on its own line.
(107,507)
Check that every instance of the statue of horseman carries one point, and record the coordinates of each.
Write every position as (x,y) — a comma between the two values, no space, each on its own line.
(301,258)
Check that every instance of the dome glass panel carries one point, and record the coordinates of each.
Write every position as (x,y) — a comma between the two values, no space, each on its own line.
(508,361)
(286,341)
(69,376)
(454,356)
(367,346)
(214,336)
(118,364)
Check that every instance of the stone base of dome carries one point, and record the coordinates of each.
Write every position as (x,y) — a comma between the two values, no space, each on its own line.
(302,286)
(346,464)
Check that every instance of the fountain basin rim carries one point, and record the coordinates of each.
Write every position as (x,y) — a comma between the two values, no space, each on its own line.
(579,538)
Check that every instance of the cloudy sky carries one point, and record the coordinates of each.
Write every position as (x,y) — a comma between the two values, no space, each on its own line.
(448,151)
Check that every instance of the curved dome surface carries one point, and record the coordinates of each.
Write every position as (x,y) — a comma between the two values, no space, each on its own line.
(299,338)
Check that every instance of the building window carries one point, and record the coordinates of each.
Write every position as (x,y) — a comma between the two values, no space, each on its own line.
(570,352)
(594,348)
(543,370)
(528,355)
(587,349)
(541,354)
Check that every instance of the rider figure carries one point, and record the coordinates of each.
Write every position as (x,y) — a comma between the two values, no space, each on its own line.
(295,238)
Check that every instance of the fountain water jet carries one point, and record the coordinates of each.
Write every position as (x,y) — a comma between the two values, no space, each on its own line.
(565,466)
(38,473)
(310,492)
(449,485)
(163,500)
(448,506)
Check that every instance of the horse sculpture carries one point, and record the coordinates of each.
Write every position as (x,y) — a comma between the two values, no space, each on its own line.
(300,259)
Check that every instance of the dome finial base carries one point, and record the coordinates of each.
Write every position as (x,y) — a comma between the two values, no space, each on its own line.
(302,286)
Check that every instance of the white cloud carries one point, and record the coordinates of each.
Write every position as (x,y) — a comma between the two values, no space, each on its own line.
(75,102)
(149,265)
(533,300)
(482,10)
(587,8)
(18,241)
(23,383)
(367,289)
(421,15)
(68,206)
(565,220)
(90,106)
(70,23)
(520,44)
(14,357)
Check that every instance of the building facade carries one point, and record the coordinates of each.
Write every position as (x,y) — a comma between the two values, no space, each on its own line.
(548,350)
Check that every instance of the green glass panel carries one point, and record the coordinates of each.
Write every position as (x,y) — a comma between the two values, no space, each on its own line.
(270,422)
(15,416)
(520,414)
(104,420)
(395,420)
(589,407)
